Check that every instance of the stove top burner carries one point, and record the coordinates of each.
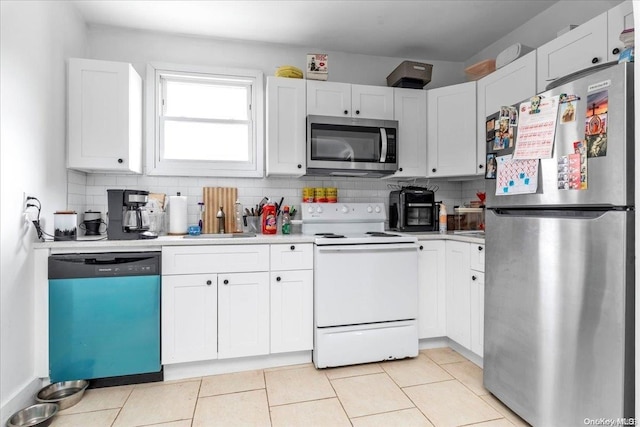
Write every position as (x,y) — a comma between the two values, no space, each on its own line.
(381,234)
(330,235)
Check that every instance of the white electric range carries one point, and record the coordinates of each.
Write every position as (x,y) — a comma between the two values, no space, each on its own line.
(365,285)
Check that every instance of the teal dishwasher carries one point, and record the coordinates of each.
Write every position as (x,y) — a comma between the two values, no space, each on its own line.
(104,318)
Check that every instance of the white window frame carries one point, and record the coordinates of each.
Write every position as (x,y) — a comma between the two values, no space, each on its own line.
(155,165)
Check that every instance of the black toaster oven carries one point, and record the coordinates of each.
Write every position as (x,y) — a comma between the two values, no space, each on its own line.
(413,209)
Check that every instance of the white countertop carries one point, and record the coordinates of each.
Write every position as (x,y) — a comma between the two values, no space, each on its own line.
(101,243)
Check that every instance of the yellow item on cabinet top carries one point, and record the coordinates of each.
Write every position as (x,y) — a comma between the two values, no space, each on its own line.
(289,71)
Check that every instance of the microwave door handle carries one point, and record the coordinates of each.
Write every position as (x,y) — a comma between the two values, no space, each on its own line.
(384,142)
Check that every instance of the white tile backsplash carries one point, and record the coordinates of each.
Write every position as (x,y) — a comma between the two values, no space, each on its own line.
(90,190)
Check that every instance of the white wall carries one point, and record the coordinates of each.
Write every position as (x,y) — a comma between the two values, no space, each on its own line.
(545,26)
(140,47)
(36,38)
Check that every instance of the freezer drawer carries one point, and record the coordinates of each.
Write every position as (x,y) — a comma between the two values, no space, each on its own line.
(559,314)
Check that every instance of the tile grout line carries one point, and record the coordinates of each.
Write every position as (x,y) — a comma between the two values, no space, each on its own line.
(338,397)
(266,393)
(193,413)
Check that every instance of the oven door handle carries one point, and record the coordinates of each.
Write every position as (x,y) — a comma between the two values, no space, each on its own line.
(384,143)
(372,247)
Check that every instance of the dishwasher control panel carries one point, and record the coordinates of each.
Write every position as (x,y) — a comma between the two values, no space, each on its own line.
(104,265)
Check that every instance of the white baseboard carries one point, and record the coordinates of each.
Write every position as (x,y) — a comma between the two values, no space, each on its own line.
(181,371)
(20,400)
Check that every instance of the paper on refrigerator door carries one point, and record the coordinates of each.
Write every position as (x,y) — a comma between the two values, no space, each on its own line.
(516,176)
(536,128)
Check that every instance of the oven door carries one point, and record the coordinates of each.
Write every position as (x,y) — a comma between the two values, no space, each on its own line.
(356,284)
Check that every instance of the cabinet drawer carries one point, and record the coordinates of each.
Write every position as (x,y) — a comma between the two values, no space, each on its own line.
(214,259)
(477,257)
(292,256)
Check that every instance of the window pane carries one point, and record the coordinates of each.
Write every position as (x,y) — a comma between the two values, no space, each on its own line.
(205,101)
(206,141)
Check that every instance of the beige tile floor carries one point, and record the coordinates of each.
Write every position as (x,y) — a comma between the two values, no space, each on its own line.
(437,388)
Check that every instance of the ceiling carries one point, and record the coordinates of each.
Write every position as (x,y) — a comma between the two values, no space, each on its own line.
(449,30)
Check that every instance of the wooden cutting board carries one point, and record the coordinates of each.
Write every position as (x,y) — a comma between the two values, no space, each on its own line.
(213,198)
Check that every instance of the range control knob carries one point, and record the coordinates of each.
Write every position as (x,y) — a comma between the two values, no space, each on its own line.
(345,209)
(378,209)
(319,210)
(310,209)
(369,209)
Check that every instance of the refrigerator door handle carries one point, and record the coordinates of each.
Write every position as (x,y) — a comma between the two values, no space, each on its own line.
(553,213)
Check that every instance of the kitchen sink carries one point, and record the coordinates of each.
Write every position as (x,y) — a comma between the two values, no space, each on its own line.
(220,236)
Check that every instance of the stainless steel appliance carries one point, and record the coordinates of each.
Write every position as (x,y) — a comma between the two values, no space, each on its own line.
(128,216)
(104,318)
(559,297)
(413,209)
(342,146)
(365,285)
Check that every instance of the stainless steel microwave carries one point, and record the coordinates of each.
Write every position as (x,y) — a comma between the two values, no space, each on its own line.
(342,146)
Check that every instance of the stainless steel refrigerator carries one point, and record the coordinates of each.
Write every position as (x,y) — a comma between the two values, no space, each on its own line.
(559,285)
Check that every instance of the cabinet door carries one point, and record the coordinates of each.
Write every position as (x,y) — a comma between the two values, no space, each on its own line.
(458,293)
(104,116)
(286,130)
(243,314)
(189,318)
(328,98)
(580,48)
(410,110)
(372,102)
(510,84)
(477,256)
(291,311)
(619,18)
(477,312)
(432,286)
(451,131)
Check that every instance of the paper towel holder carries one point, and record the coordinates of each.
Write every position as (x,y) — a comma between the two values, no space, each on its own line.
(177,215)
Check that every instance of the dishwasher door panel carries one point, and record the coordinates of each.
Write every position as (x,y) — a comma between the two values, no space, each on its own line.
(103,327)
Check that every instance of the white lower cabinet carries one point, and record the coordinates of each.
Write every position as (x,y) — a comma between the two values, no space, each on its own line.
(458,293)
(477,312)
(291,297)
(465,295)
(243,314)
(189,318)
(243,300)
(291,311)
(432,287)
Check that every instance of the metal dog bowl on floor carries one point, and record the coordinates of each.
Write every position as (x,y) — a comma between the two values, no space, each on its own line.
(40,414)
(65,393)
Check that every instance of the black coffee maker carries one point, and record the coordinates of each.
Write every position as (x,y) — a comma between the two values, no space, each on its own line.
(128,217)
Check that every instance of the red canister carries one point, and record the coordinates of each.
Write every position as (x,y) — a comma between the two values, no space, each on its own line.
(269,223)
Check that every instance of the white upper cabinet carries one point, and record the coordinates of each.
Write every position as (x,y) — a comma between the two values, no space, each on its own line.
(451,131)
(347,100)
(578,49)
(328,98)
(506,86)
(410,110)
(372,102)
(619,18)
(104,117)
(286,126)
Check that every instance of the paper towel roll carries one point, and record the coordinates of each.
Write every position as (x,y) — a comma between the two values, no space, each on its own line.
(177,214)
